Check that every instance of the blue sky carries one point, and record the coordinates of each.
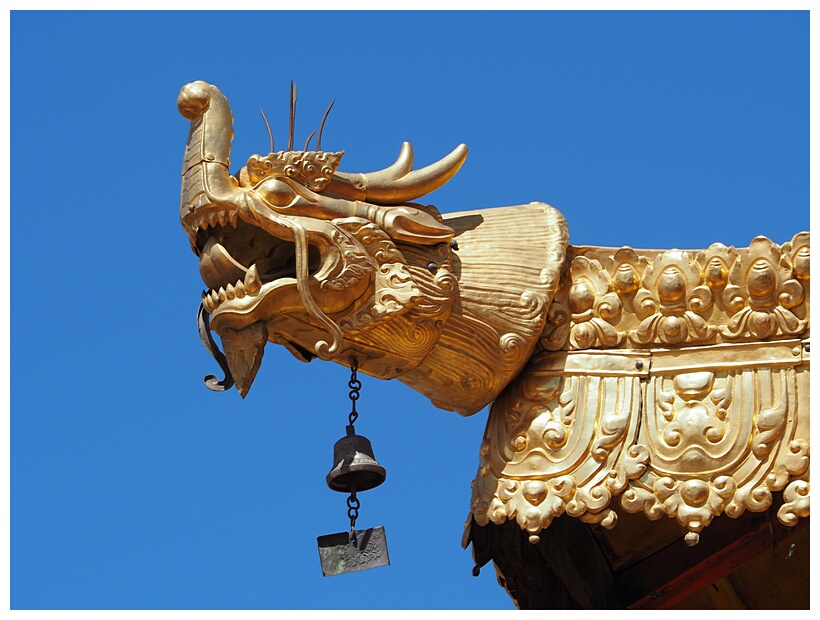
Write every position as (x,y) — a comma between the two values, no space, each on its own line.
(132,485)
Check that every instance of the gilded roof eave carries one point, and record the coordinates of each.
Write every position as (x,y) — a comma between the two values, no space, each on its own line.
(674,382)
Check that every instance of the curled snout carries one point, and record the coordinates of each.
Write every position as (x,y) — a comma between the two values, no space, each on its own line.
(193,100)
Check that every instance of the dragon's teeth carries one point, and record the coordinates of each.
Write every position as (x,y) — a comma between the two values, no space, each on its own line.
(223,218)
(252,281)
(213,219)
(213,298)
(233,217)
(209,302)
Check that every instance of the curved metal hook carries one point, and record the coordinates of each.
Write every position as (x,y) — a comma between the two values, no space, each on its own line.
(204,326)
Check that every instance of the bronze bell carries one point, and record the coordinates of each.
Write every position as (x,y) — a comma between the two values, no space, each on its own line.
(355,469)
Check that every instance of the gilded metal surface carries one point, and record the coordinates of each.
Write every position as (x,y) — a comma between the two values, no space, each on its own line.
(633,299)
(561,439)
(723,427)
(337,269)
(675,380)
(689,433)
(695,405)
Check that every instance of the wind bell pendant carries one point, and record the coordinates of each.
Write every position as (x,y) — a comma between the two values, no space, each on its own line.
(355,469)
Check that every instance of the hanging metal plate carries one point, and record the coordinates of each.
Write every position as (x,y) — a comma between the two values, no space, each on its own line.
(340,556)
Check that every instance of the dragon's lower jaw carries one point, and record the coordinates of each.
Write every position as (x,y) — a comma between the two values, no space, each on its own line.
(246,324)
(246,286)
(280,298)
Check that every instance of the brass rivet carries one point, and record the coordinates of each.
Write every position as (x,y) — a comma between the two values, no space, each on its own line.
(639,364)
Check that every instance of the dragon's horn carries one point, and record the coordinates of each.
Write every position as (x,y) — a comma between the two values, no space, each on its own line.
(399,183)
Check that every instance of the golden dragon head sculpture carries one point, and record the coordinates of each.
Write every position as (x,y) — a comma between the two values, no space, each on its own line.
(339,265)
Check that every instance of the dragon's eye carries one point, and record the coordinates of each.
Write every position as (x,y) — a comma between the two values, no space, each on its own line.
(276,192)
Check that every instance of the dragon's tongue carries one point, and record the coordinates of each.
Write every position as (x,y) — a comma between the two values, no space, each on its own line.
(218,267)
(243,350)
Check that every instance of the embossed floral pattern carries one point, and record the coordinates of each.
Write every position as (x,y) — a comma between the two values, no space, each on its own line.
(627,298)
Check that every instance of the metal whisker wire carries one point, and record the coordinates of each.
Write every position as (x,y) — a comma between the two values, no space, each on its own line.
(322,126)
(308,140)
(292,127)
(270,133)
(293,96)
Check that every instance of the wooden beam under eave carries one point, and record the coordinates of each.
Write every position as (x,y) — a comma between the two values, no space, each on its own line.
(571,551)
(565,569)
(677,571)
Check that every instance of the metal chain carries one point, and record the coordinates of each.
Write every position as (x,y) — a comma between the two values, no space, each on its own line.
(353,513)
(355,385)
(353,502)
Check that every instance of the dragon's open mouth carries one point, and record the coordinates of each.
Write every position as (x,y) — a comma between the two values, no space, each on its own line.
(237,259)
